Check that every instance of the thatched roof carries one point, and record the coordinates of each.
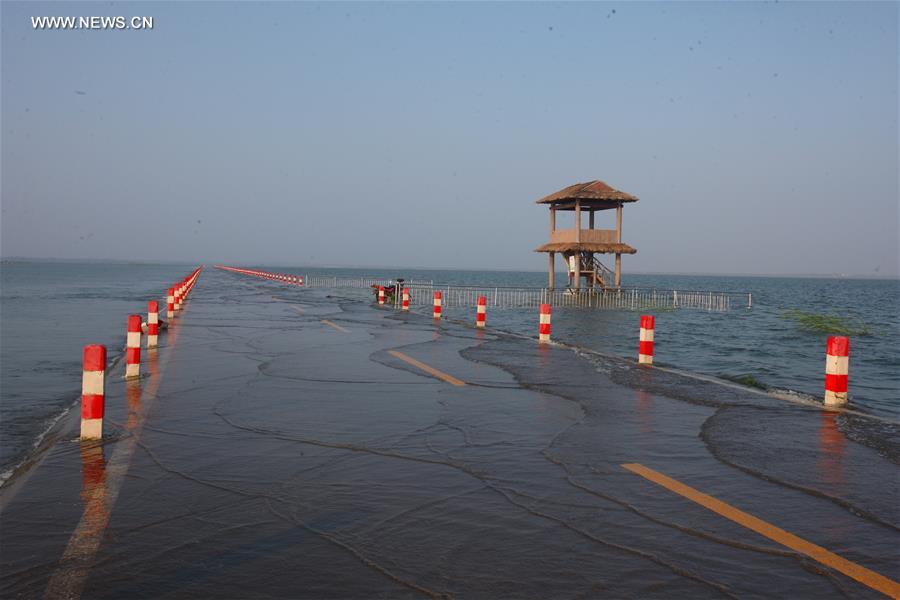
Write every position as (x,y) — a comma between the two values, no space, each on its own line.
(589,193)
(586,247)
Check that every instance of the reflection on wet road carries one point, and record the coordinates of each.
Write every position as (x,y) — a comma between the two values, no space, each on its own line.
(346,451)
(101,483)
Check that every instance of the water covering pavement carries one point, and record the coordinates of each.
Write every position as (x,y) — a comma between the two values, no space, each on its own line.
(267,454)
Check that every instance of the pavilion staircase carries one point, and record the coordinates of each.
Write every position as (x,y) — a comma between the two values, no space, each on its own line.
(598,273)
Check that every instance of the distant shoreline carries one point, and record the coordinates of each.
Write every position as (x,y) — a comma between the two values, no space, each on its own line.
(836,276)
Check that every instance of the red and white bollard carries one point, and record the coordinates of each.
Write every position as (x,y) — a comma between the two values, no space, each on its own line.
(437,305)
(170,304)
(481,312)
(405,304)
(93,391)
(152,323)
(300,280)
(380,294)
(133,347)
(837,369)
(645,348)
(178,298)
(544,326)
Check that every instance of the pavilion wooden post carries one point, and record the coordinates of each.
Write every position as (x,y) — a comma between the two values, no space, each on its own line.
(552,254)
(618,241)
(590,281)
(577,241)
(552,274)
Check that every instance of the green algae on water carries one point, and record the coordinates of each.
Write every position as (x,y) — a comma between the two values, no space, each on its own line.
(818,323)
(746,379)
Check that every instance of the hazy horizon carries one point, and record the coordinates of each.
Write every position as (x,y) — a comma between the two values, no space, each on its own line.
(372,267)
(762,139)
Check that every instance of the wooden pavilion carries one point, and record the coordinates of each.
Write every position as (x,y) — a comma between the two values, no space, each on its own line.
(578,245)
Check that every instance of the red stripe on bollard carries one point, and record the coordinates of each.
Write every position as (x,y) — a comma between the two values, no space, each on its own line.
(92,406)
(836,383)
(838,345)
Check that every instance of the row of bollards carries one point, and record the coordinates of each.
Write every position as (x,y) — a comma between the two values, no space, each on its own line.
(836,362)
(93,378)
(281,277)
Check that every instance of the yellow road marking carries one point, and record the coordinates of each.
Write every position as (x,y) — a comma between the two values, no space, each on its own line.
(863,575)
(335,325)
(431,370)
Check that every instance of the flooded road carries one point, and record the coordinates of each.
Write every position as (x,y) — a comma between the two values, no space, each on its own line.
(285,444)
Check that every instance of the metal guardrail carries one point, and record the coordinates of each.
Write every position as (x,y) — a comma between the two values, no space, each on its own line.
(355,282)
(454,296)
(623,298)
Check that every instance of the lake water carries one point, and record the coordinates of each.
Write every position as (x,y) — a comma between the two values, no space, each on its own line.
(48,311)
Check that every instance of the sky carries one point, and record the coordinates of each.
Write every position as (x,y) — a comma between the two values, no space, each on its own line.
(761,138)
